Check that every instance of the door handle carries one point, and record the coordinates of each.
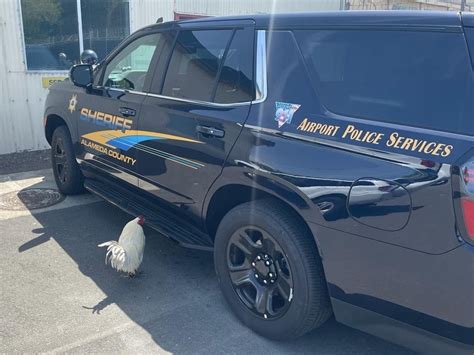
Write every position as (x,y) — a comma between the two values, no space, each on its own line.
(210,131)
(127,112)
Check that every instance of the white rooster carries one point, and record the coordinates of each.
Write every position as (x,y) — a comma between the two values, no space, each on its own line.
(127,254)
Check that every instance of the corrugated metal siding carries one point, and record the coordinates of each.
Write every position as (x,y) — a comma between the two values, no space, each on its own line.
(21,93)
(226,7)
(146,12)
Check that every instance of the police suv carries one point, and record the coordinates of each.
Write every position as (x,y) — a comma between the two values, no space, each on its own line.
(327,159)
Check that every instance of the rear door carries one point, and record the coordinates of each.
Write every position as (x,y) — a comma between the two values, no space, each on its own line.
(200,98)
(108,113)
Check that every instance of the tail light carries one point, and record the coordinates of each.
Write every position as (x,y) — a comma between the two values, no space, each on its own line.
(465,200)
(468,214)
(468,175)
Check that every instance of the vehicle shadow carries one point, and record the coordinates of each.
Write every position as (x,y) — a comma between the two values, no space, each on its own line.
(175,299)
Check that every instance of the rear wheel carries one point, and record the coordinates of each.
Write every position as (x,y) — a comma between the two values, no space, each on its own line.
(67,174)
(269,270)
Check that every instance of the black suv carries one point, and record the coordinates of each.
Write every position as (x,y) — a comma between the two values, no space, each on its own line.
(327,159)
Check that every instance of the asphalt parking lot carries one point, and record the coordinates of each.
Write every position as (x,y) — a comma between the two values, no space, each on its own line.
(57,295)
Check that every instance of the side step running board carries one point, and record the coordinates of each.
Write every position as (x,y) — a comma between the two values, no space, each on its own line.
(156,216)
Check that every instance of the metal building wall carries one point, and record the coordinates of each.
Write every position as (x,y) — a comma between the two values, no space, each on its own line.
(146,12)
(237,7)
(21,94)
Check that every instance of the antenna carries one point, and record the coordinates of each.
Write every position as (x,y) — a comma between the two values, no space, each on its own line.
(160,20)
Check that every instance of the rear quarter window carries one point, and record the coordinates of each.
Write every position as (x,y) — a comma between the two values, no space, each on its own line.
(235,81)
(415,78)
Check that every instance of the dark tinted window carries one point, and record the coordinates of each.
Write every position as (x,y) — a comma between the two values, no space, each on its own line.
(235,80)
(163,52)
(194,64)
(469,31)
(413,78)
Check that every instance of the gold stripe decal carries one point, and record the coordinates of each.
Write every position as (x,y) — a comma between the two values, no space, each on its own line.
(103,137)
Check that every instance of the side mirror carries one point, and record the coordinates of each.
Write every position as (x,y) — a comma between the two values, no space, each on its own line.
(81,75)
(89,57)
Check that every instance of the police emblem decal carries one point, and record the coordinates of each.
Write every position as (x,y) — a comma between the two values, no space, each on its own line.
(72,103)
(284,112)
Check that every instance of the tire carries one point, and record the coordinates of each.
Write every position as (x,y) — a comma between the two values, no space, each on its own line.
(268,229)
(67,174)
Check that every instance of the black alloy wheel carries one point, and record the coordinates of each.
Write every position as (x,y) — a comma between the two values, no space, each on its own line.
(60,161)
(259,272)
(67,173)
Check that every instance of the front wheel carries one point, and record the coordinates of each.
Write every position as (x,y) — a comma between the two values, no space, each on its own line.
(269,270)
(67,174)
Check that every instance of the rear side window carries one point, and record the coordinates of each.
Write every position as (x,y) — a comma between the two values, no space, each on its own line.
(195,63)
(414,78)
(235,80)
(469,32)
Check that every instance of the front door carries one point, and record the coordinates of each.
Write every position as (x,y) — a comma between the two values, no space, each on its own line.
(108,112)
(195,111)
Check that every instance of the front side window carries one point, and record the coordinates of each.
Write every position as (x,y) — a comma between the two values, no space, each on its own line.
(129,68)
(51,30)
(195,63)
(416,78)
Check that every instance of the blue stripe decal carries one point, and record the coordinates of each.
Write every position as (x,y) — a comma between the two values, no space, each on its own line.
(127,142)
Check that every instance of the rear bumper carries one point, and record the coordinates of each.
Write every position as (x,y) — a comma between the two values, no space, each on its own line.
(405,294)
(395,331)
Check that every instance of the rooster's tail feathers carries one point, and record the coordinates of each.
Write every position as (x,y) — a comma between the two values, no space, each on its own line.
(106,244)
(115,254)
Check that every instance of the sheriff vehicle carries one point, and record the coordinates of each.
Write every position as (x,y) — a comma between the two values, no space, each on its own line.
(327,160)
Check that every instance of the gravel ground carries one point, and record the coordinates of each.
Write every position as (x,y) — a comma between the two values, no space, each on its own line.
(25,161)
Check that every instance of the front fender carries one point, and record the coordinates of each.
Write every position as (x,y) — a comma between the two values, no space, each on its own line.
(57,103)
(64,115)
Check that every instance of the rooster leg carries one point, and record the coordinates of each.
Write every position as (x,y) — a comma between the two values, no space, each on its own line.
(135,274)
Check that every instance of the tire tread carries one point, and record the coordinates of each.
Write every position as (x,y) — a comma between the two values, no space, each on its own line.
(319,310)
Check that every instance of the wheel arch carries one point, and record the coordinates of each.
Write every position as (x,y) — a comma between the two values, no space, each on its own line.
(53,121)
(228,196)
(54,117)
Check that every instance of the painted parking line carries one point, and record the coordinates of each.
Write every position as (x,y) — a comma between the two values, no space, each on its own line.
(38,179)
